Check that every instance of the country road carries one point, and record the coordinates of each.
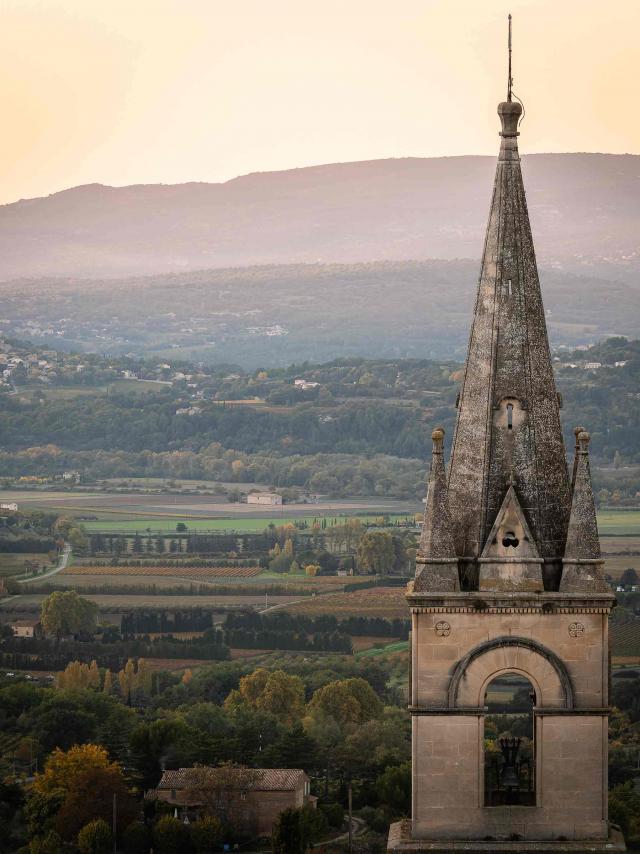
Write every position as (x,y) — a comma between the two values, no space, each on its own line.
(63,562)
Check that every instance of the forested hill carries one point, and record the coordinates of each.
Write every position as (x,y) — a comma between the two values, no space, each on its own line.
(350,427)
(584,209)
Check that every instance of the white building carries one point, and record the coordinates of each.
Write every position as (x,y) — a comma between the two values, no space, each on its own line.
(270,498)
(8,505)
(26,628)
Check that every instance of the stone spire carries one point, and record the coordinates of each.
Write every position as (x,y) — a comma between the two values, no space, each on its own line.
(436,553)
(582,564)
(508,426)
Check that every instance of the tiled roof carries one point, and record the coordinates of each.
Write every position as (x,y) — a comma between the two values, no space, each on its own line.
(259,779)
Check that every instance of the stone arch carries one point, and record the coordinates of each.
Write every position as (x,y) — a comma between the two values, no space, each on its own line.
(524,656)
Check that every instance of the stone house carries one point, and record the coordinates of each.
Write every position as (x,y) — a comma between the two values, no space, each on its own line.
(27,628)
(249,799)
(271,499)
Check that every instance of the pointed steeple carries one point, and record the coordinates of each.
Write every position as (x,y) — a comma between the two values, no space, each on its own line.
(508,423)
(436,553)
(582,564)
(576,456)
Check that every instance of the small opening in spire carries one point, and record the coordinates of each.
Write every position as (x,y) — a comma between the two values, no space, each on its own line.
(509,290)
(510,541)
(509,416)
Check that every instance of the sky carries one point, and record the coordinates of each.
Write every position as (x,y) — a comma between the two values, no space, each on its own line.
(166,91)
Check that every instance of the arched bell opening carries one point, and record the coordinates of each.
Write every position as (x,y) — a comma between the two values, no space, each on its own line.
(509,742)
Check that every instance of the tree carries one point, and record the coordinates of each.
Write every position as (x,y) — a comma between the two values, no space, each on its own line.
(296,829)
(78,540)
(624,808)
(150,744)
(394,788)
(206,834)
(181,527)
(375,553)
(294,748)
(91,798)
(280,563)
(94,675)
(170,836)
(62,722)
(95,838)
(348,701)
(136,838)
(629,578)
(66,613)
(288,834)
(11,803)
(277,693)
(49,844)
(63,768)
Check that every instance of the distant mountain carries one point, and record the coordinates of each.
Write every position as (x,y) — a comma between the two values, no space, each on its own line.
(585,210)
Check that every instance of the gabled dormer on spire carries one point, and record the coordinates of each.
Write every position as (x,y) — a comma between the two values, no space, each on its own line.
(510,560)
(582,564)
(508,411)
(437,563)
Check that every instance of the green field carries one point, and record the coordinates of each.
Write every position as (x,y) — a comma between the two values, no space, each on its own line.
(621,522)
(247,525)
(71,392)
(396,646)
(14,564)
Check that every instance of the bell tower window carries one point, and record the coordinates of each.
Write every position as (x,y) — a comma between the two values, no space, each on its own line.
(509,767)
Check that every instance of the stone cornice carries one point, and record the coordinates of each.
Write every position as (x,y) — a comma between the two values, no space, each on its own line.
(479,602)
(480,711)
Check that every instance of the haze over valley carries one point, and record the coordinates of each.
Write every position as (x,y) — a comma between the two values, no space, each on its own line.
(268,268)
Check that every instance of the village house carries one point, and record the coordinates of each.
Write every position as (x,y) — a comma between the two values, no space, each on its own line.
(271,499)
(27,628)
(248,799)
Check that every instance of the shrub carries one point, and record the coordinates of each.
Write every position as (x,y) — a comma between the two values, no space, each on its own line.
(170,836)
(95,838)
(334,813)
(136,838)
(206,834)
(49,844)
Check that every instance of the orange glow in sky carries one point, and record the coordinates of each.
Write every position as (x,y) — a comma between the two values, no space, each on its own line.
(145,91)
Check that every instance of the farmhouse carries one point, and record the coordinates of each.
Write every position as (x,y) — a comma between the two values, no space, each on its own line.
(270,498)
(250,799)
(27,628)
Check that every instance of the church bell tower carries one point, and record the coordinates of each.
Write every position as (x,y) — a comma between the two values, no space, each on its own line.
(509,588)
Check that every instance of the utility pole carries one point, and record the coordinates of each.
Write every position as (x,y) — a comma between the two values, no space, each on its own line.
(115,823)
(350,818)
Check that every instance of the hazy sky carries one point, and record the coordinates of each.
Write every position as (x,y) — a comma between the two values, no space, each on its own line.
(139,91)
